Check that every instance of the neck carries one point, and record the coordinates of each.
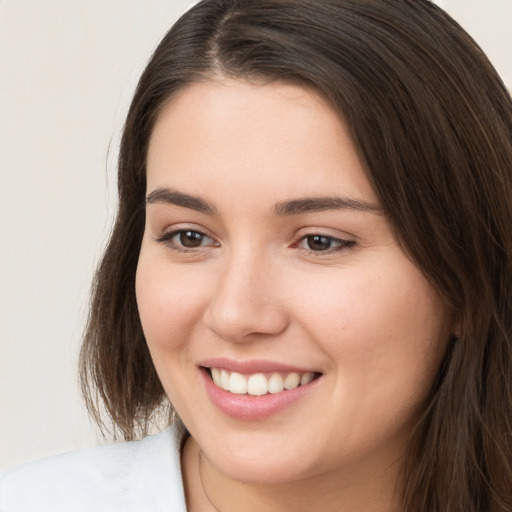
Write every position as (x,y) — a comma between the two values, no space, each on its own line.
(350,489)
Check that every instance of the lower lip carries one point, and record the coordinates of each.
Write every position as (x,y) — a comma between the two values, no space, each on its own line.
(253,408)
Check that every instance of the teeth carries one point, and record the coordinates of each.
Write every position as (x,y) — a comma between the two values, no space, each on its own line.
(216,377)
(224,380)
(237,384)
(275,383)
(258,384)
(292,381)
(306,378)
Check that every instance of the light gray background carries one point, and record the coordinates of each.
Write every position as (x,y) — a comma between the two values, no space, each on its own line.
(67,72)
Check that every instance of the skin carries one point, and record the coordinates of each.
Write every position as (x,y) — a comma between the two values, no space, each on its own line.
(361,313)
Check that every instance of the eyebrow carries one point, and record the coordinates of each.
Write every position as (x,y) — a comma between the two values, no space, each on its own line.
(319,204)
(283,209)
(169,196)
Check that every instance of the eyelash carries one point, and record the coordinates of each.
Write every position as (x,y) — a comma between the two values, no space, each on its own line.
(339,243)
(166,239)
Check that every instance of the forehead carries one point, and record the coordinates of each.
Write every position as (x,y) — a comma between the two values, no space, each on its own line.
(251,138)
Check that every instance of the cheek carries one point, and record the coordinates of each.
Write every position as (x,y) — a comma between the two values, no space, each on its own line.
(169,303)
(384,330)
(385,336)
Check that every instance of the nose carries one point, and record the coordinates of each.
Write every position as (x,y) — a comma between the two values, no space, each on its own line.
(246,301)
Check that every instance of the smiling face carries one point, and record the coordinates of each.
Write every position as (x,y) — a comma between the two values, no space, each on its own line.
(266,259)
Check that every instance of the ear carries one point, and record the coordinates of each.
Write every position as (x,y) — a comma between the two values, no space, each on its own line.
(456,329)
(454,323)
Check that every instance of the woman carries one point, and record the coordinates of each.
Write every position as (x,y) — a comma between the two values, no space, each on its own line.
(311,263)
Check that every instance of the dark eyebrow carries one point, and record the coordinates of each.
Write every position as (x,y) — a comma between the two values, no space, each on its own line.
(285,208)
(169,196)
(319,204)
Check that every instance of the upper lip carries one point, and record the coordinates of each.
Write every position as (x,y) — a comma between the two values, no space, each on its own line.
(252,366)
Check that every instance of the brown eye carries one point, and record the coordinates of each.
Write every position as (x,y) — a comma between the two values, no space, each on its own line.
(186,240)
(324,243)
(190,239)
(319,242)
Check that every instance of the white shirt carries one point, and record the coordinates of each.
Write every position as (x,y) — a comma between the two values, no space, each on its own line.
(137,476)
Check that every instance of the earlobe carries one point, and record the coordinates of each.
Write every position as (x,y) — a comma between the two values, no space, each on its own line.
(454,324)
(456,331)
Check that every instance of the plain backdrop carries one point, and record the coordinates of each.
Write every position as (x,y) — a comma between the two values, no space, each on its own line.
(68,69)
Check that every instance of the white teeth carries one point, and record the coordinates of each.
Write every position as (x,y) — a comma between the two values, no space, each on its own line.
(292,381)
(216,377)
(237,384)
(224,380)
(258,384)
(275,383)
(307,378)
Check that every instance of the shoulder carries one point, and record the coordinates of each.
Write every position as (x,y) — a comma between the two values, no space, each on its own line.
(135,476)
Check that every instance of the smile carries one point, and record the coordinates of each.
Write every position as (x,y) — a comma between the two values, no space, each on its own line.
(259,384)
(255,390)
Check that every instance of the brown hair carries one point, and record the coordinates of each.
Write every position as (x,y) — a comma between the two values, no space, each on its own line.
(432,122)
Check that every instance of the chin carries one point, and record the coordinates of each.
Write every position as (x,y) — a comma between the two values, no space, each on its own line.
(258,471)
(258,458)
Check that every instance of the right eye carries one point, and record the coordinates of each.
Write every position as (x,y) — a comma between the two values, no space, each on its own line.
(185,239)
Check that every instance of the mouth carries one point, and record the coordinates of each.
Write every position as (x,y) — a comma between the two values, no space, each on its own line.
(256,390)
(258,384)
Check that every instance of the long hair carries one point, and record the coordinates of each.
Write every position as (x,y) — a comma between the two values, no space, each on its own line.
(432,123)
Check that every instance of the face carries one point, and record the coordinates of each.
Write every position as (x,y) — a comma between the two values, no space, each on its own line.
(289,330)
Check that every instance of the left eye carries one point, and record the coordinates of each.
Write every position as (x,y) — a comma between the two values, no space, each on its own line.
(190,239)
(323,243)
(186,239)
